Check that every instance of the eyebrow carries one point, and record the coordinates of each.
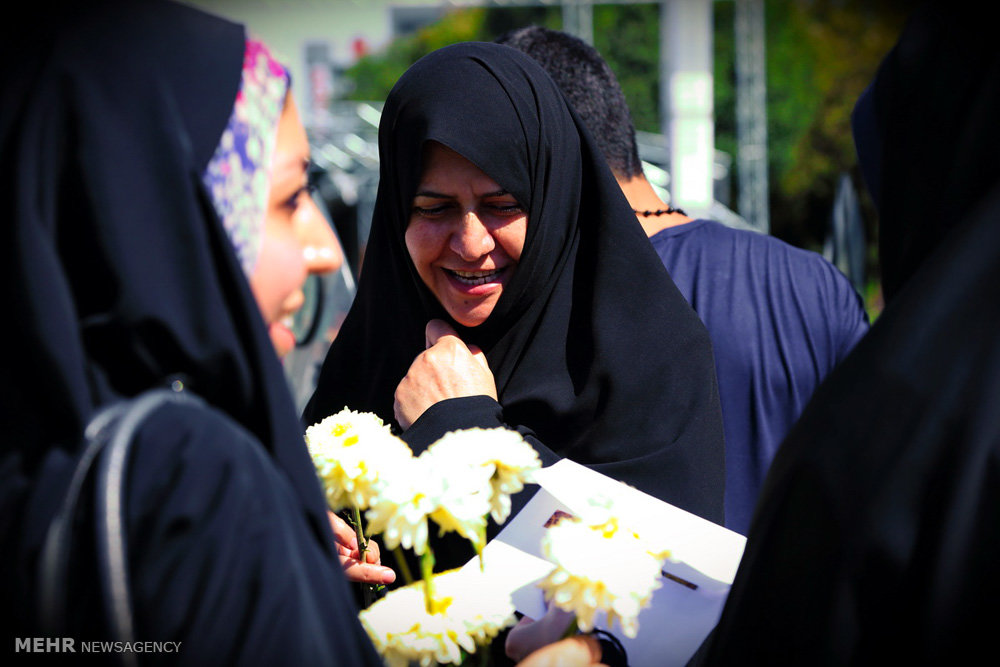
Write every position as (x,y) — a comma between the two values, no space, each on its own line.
(437,195)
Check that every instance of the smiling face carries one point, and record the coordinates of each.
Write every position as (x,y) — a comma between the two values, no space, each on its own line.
(297,238)
(465,235)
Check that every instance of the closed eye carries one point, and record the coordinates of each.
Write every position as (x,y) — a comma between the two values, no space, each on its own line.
(507,208)
(431,211)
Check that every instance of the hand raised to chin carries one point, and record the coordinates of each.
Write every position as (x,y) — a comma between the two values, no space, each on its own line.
(448,368)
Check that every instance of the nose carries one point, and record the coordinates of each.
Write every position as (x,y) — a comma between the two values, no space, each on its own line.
(472,239)
(320,247)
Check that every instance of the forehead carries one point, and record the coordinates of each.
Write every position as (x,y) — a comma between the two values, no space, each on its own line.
(445,168)
(291,134)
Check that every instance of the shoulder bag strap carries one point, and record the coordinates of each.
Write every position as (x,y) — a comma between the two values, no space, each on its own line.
(108,438)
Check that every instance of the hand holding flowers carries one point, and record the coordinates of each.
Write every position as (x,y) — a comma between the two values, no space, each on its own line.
(600,564)
(457,484)
(370,571)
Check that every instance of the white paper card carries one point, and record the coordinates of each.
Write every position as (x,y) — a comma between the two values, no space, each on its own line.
(680,615)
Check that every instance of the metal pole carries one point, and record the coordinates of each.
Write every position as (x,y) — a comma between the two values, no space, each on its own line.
(687,106)
(751,114)
(578,19)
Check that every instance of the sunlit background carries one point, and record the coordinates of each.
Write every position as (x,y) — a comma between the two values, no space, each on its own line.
(742,107)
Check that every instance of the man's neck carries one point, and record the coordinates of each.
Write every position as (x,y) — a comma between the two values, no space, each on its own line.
(642,197)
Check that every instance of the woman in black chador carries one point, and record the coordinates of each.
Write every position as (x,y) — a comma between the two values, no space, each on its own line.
(507,283)
(154,168)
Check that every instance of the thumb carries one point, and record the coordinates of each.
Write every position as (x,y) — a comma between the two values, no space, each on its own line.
(436,330)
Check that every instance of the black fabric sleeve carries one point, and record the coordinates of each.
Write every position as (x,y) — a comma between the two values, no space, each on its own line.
(450,550)
(454,414)
(222,556)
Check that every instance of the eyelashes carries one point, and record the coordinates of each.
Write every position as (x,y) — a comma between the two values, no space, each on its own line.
(294,201)
(501,209)
(429,211)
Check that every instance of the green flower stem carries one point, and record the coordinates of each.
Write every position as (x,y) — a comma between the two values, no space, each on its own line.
(427,573)
(479,549)
(403,566)
(367,590)
(572,630)
(360,531)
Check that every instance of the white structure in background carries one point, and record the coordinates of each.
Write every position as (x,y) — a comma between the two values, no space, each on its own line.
(751,113)
(318,38)
(313,38)
(686,97)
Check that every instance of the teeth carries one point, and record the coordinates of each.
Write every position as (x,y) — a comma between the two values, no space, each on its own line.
(476,277)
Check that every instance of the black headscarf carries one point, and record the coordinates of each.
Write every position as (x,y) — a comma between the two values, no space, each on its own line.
(877,533)
(930,156)
(119,277)
(593,348)
(116,268)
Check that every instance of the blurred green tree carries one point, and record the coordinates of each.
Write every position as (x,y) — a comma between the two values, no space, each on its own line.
(820,56)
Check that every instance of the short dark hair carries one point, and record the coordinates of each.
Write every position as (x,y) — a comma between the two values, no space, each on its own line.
(591,87)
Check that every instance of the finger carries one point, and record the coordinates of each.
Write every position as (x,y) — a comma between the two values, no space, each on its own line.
(588,649)
(520,639)
(372,554)
(593,645)
(397,411)
(578,651)
(479,356)
(436,330)
(527,636)
(342,531)
(369,574)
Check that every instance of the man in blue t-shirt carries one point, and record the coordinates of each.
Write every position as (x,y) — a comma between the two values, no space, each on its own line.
(779,317)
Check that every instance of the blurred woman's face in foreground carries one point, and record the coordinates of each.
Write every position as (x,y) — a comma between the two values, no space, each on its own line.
(297,240)
(465,235)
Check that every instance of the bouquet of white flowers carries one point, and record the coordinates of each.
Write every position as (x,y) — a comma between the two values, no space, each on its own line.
(459,482)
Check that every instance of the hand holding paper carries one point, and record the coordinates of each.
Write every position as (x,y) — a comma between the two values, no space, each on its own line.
(696,578)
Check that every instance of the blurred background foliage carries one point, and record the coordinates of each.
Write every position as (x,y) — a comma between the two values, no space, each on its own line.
(820,56)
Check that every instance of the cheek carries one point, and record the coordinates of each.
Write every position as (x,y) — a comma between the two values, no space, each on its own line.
(511,237)
(280,272)
(424,243)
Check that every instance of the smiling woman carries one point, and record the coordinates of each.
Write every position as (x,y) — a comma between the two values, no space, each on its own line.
(152,162)
(297,239)
(507,283)
(465,235)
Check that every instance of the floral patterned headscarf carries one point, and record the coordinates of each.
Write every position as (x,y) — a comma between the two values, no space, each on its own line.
(238,173)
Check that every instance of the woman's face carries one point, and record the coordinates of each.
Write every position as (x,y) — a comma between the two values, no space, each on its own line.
(297,238)
(465,235)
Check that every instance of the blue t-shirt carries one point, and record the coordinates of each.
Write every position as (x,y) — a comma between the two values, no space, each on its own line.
(780,318)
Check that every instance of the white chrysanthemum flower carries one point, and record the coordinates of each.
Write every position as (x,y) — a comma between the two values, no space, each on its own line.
(603,567)
(510,459)
(404,633)
(462,499)
(405,500)
(351,450)
(452,494)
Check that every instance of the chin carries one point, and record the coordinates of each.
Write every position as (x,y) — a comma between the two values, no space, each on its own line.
(282,340)
(466,320)
(471,318)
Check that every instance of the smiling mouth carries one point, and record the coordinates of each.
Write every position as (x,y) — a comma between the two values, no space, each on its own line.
(473,278)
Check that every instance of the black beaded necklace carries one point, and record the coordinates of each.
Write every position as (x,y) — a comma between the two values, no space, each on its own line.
(659,211)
